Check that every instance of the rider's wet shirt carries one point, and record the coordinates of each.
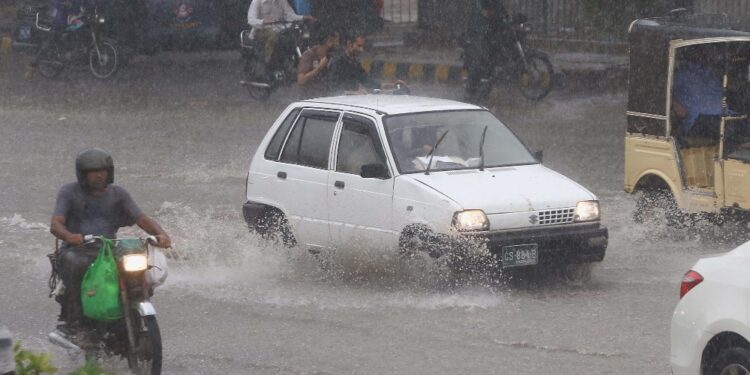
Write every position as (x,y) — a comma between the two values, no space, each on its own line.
(276,10)
(96,215)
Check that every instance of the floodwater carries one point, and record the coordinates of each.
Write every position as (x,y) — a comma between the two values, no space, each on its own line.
(182,134)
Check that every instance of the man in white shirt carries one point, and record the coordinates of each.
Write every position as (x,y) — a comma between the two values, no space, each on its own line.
(265,16)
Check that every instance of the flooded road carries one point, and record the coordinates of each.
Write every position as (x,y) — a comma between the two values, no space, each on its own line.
(182,134)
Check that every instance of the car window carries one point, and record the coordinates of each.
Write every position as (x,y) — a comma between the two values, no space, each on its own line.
(274,147)
(359,145)
(413,136)
(310,140)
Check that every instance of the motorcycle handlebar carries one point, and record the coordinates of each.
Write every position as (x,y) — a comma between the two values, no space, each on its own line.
(89,239)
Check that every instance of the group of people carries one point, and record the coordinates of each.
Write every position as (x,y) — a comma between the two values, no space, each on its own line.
(318,72)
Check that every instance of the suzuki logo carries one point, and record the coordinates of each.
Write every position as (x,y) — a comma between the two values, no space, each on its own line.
(533,219)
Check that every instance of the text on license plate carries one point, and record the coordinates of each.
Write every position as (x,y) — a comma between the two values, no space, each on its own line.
(520,255)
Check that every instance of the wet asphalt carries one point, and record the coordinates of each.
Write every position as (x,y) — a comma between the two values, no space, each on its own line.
(182,134)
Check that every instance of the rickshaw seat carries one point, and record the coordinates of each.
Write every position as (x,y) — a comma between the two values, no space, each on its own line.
(698,165)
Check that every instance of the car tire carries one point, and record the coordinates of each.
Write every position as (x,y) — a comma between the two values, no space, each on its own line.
(273,227)
(577,274)
(731,361)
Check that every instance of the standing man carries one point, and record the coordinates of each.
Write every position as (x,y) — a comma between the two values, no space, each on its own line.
(313,66)
(267,17)
(93,205)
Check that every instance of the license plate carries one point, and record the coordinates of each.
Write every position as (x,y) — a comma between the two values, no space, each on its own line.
(520,255)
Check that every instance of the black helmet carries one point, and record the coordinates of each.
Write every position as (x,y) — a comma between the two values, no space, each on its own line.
(91,160)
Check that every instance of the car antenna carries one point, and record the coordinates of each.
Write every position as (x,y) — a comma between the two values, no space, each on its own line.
(432,152)
(481,149)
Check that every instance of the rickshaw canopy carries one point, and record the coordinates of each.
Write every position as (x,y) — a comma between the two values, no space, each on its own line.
(651,41)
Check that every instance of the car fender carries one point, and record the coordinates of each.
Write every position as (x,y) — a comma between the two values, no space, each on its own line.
(417,203)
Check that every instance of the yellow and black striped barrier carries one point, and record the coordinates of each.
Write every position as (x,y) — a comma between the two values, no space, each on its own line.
(414,72)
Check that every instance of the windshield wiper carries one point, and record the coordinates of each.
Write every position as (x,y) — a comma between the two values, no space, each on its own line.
(432,152)
(481,149)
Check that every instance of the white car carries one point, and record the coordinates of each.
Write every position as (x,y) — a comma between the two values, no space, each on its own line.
(360,171)
(710,332)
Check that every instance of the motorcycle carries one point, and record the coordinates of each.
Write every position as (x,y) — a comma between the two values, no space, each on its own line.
(530,69)
(76,47)
(135,336)
(260,88)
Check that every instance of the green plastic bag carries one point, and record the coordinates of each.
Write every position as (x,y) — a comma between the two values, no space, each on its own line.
(100,289)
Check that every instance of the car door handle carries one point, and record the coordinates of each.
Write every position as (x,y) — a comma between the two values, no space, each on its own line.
(339,184)
(281,175)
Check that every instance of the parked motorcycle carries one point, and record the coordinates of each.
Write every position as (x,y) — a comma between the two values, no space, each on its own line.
(83,45)
(287,57)
(530,69)
(135,336)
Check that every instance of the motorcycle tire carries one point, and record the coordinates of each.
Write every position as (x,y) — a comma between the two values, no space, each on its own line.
(148,359)
(536,79)
(260,94)
(50,64)
(104,64)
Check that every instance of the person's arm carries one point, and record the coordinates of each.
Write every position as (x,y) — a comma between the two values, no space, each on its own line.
(153,228)
(679,109)
(305,74)
(289,14)
(253,14)
(58,229)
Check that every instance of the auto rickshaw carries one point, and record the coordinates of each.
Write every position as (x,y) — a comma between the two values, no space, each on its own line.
(684,161)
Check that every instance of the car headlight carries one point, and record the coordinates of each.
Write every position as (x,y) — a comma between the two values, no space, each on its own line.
(587,211)
(470,220)
(134,262)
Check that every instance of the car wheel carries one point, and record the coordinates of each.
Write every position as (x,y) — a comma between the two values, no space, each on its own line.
(732,361)
(273,227)
(578,273)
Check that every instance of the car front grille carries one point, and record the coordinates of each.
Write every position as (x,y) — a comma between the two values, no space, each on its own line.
(556,216)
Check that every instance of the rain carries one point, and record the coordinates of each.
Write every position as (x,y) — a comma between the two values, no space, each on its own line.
(184,115)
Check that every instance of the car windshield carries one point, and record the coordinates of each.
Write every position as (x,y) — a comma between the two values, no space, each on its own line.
(412,137)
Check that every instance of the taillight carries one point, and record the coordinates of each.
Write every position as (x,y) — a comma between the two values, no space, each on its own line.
(689,281)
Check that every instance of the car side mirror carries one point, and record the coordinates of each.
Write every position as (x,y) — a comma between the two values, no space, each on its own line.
(538,154)
(375,170)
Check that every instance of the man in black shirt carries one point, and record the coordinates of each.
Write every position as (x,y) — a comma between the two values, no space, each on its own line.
(92,206)
(345,73)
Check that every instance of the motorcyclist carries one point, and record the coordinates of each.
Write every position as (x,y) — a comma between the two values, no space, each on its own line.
(66,15)
(92,205)
(486,36)
(265,17)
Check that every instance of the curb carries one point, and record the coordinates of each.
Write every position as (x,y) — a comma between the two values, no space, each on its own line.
(614,77)
(5,45)
(414,72)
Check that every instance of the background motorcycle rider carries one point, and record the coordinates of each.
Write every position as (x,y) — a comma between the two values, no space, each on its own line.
(65,16)
(486,37)
(313,65)
(91,206)
(262,15)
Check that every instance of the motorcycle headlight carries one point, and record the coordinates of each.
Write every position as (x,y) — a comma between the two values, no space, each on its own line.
(101,20)
(587,211)
(134,262)
(470,220)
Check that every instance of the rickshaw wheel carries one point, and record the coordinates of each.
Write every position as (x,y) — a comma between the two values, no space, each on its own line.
(658,207)
(536,81)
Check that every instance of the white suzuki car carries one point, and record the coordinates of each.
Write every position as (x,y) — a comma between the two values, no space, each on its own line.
(710,330)
(410,173)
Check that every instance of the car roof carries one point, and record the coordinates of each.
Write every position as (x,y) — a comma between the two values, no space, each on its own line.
(395,104)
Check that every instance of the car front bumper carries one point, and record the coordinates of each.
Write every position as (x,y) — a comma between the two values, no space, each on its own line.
(576,243)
